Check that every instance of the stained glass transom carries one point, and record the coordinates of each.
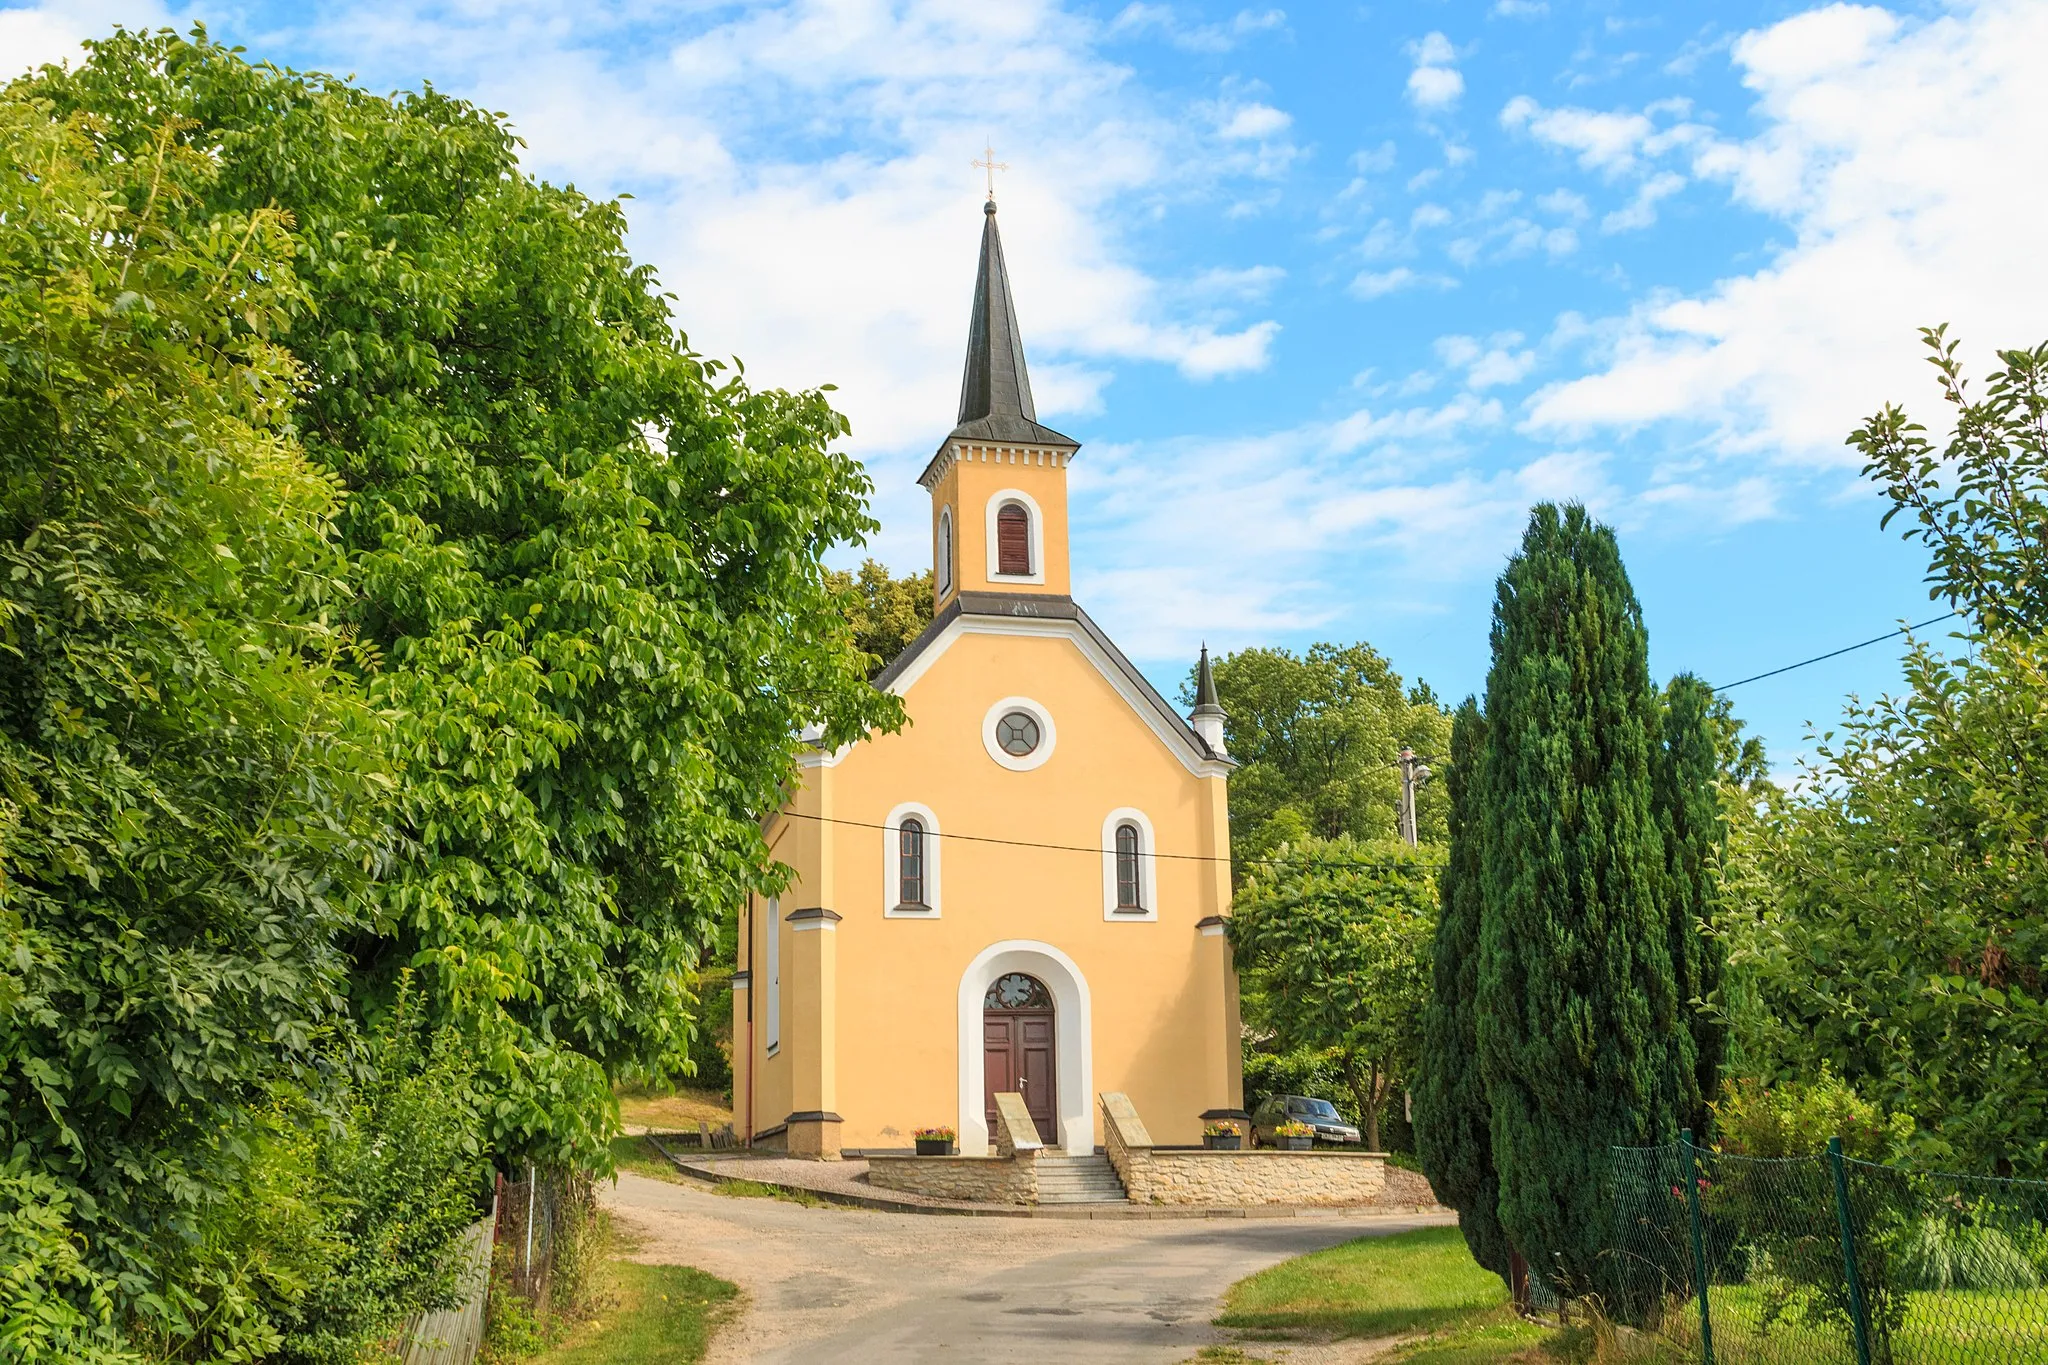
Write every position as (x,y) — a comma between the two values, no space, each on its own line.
(1017,992)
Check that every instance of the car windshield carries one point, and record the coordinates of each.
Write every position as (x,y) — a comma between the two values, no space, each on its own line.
(1315,1109)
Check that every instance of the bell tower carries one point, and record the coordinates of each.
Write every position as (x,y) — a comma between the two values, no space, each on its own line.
(999,481)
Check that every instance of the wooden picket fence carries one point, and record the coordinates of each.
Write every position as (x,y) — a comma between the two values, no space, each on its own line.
(452,1336)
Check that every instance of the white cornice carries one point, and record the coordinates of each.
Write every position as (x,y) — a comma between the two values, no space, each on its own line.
(993,452)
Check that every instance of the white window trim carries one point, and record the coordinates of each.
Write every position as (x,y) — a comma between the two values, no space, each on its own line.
(943,558)
(892,862)
(1030,505)
(1148,867)
(1048,736)
(772,1028)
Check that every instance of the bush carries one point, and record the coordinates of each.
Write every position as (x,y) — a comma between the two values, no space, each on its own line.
(1798,1118)
(1939,1253)
(53,1307)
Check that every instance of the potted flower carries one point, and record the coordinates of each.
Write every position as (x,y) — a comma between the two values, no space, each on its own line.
(1221,1137)
(934,1141)
(1293,1136)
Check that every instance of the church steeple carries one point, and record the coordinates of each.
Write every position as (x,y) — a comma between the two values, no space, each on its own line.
(995,386)
(999,479)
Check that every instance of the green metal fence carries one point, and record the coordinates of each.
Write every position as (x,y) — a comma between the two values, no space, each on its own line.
(1825,1259)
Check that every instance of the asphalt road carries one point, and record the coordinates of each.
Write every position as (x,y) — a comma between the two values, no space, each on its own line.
(836,1284)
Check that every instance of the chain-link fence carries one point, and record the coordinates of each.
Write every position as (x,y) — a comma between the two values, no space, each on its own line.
(1825,1259)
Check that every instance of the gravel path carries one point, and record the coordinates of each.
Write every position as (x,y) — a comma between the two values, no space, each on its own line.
(861,1285)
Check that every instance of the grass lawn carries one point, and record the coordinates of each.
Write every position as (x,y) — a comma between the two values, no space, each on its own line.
(659,1315)
(1414,1284)
(1371,1287)
(1956,1325)
(678,1111)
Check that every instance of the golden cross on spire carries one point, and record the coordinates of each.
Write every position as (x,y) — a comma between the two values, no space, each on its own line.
(991,166)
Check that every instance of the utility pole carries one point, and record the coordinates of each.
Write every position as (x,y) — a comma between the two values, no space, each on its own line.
(1413,774)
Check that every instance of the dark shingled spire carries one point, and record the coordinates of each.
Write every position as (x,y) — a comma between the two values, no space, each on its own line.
(995,388)
(1205,688)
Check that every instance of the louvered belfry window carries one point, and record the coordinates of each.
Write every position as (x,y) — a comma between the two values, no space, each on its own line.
(910,863)
(1128,895)
(1013,540)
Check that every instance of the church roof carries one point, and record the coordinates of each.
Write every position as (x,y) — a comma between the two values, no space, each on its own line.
(995,387)
(1048,607)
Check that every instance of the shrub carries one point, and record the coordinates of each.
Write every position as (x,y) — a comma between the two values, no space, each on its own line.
(1798,1118)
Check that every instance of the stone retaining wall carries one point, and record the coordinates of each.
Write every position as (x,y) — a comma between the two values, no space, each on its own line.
(1237,1178)
(1008,1177)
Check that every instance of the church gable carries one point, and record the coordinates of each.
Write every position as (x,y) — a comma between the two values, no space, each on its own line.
(1056,618)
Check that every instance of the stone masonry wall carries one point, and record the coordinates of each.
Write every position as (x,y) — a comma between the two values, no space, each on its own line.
(1241,1178)
(976,1179)
(1008,1177)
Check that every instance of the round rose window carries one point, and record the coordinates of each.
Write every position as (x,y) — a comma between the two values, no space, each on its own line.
(1017,733)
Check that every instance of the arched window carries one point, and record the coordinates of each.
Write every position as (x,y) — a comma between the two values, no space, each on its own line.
(1130,889)
(912,879)
(1013,540)
(945,555)
(910,863)
(1130,872)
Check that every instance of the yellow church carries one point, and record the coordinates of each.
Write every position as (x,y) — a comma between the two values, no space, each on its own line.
(1023,890)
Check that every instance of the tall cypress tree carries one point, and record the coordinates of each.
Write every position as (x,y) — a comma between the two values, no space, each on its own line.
(1576,1001)
(1453,1131)
(1688,807)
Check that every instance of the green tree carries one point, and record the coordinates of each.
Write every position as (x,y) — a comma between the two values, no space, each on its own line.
(190,787)
(1453,1126)
(1886,923)
(886,612)
(588,561)
(1576,1003)
(1687,794)
(1316,737)
(1334,937)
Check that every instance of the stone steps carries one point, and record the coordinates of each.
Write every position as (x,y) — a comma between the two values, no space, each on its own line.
(1078,1180)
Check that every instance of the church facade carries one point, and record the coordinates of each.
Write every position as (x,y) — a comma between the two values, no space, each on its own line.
(1024,889)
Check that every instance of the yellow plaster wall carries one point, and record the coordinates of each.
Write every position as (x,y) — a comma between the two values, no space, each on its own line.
(1158,988)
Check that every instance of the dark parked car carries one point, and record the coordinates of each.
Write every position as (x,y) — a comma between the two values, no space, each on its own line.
(1320,1115)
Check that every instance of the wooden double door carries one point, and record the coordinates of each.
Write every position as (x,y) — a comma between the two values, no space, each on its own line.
(1018,1054)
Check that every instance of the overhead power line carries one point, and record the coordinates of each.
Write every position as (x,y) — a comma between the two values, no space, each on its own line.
(1837,653)
(945,837)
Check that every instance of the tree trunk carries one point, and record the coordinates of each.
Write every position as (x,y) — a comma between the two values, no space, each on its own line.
(1372,1113)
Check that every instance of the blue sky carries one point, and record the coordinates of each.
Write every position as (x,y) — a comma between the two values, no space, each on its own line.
(1330,292)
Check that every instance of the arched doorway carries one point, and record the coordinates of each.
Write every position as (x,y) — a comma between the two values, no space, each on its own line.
(1074,1106)
(1018,1050)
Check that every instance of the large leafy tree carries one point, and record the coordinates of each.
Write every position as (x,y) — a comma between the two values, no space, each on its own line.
(1891,925)
(1576,1005)
(1334,937)
(588,561)
(1453,1126)
(190,787)
(1316,737)
(886,612)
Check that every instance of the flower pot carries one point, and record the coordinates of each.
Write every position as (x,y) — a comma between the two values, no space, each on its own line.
(1227,1142)
(935,1146)
(1295,1144)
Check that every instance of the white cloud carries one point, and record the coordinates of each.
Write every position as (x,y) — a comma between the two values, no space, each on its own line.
(1604,142)
(1895,155)
(1641,211)
(1520,9)
(1250,285)
(1434,84)
(1500,359)
(1208,38)
(38,35)
(1255,121)
(1372,284)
